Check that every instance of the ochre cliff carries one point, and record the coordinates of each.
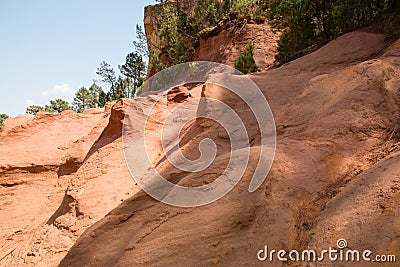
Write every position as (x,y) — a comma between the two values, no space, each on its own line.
(58,175)
(222,44)
(226,46)
(67,197)
(336,173)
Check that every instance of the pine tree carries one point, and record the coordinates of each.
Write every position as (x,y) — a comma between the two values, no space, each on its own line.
(141,43)
(82,100)
(135,69)
(98,97)
(107,74)
(34,109)
(246,63)
(57,106)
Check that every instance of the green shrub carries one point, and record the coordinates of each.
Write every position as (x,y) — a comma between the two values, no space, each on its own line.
(244,8)
(246,63)
(3,117)
(390,30)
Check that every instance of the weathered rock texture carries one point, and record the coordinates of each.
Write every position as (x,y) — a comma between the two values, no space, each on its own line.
(222,44)
(336,173)
(66,194)
(226,46)
(58,175)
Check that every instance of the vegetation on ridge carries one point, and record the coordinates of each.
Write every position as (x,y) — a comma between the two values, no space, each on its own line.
(133,73)
(305,24)
(308,23)
(180,30)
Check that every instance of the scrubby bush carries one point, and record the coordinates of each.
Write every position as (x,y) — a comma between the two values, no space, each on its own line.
(246,63)
(3,117)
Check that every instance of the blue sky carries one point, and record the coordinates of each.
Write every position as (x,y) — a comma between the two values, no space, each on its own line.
(49,49)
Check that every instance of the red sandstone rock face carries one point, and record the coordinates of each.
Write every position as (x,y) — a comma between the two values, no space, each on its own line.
(226,46)
(336,173)
(61,173)
(54,181)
